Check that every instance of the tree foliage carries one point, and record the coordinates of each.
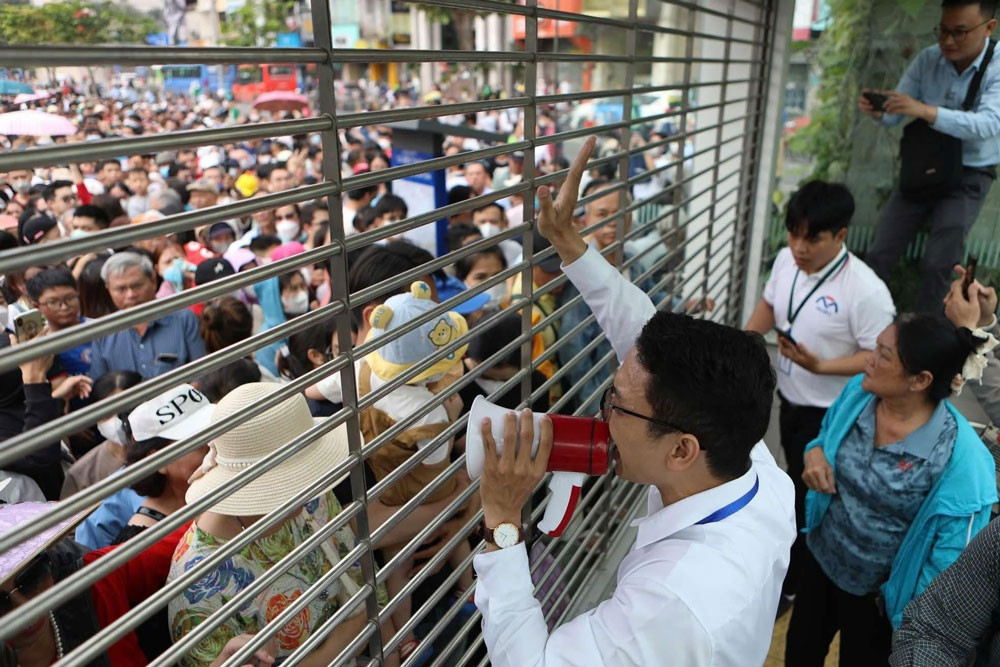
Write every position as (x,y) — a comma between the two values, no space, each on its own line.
(241,27)
(74,22)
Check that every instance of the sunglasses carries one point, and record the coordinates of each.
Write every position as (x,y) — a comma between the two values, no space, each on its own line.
(28,582)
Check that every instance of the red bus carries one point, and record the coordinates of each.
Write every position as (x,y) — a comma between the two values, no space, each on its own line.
(253,80)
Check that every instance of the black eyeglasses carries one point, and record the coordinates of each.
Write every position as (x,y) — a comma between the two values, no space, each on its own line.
(959,35)
(28,582)
(607,406)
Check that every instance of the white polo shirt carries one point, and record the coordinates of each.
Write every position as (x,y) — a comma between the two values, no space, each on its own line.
(842,317)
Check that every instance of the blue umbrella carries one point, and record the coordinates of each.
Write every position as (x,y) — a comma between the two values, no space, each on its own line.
(10,87)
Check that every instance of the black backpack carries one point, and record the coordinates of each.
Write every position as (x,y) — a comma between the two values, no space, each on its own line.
(931,161)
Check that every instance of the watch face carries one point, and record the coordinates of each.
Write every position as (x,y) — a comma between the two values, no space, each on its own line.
(506,535)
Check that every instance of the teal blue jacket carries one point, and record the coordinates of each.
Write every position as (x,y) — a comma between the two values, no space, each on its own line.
(957,507)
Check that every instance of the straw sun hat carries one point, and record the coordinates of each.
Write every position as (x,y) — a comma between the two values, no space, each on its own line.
(253,439)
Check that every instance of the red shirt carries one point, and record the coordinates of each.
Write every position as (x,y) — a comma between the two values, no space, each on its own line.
(130,584)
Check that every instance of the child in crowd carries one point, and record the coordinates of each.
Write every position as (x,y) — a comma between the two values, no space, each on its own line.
(389,362)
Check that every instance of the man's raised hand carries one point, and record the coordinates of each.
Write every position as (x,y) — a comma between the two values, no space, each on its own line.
(555,218)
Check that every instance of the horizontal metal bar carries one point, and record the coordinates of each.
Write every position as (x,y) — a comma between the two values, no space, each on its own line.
(88,151)
(389,116)
(54,56)
(25,257)
(422,56)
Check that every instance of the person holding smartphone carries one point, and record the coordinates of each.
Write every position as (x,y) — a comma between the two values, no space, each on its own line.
(933,91)
(828,307)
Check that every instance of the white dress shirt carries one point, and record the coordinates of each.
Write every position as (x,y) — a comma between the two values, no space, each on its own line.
(842,317)
(687,594)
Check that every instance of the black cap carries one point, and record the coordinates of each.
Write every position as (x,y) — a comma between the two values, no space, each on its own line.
(552,263)
(35,228)
(212,269)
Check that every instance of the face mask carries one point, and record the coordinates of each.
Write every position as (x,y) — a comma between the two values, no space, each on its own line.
(296,304)
(246,164)
(79,234)
(175,274)
(21,186)
(307,273)
(112,430)
(288,230)
(220,247)
(316,140)
(497,294)
(488,229)
(4,317)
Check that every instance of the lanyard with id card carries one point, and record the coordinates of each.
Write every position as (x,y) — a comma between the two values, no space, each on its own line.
(784,363)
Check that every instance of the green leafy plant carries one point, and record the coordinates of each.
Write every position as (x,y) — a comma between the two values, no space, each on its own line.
(74,22)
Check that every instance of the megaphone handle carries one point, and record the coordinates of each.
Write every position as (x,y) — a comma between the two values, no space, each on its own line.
(565,488)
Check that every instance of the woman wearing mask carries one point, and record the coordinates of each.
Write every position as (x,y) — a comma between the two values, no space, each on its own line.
(288,224)
(280,299)
(103,460)
(899,483)
(177,272)
(481,266)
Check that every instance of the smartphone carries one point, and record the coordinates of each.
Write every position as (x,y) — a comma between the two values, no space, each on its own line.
(167,358)
(970,274)
(786,335)
(877,100)
(28,324)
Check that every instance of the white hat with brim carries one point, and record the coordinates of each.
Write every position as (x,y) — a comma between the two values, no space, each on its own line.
(177,413)
(252,439)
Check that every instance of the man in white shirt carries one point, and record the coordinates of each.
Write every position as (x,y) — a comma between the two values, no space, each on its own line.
(828,308)
(701,583)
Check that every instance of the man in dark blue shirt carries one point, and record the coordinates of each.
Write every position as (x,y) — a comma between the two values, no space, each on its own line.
(151,348)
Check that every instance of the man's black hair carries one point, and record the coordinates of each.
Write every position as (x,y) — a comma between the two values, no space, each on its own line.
(820,207)
(263,242)
(102,163)
(390,204)
(99,215)
(49,193)
(359,193)
(711,380)
(381,263)
(459,193)
(457,233)
(987,8)
(56,276)
(492,204)
(364,218)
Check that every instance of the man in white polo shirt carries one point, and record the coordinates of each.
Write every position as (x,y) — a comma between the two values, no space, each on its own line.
(828,308)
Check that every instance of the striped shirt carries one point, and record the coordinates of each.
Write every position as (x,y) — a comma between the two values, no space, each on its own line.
(169,342)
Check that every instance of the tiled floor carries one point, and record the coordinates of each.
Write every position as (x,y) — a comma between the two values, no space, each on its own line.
(776,656)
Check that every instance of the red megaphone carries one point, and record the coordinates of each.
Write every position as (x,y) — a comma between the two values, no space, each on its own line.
(581,447)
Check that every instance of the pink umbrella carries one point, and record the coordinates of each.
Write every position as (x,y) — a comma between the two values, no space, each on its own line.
(32,97)
(34,123)
(281,100)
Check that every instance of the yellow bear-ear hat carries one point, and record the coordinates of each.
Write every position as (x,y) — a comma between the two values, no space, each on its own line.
(420,290)
(381,317)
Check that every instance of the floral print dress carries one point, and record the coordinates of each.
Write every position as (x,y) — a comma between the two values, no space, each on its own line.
(237,572)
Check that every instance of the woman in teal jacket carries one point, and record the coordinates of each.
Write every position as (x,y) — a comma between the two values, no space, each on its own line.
(899,484)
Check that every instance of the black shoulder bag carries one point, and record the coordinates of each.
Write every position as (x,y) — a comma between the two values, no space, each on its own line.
(931,161)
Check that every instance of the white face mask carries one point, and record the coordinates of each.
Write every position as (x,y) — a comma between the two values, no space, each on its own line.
(220,247)
(288,230)
(488,229)
(307,273)
(112,430)
(4,317)
(79,234)
(497,294)
(296,304)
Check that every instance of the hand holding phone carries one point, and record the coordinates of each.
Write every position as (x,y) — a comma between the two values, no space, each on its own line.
(787,335)
(28,324)
(970,274)
(877,100)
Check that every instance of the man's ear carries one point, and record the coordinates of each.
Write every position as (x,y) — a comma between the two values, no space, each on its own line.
(684,451)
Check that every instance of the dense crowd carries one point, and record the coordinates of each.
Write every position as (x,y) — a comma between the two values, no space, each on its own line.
(45,205)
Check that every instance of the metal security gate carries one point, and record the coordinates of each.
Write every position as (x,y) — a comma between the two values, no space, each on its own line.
(716,56)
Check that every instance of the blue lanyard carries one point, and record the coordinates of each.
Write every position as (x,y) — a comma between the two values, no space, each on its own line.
(733,507)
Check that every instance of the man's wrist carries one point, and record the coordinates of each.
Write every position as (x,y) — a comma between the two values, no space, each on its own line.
(928,113)
(494,519)
(570,246)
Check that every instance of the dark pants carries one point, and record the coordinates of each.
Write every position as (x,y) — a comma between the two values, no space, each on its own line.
(951,219)
(821,609)
(799,425)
